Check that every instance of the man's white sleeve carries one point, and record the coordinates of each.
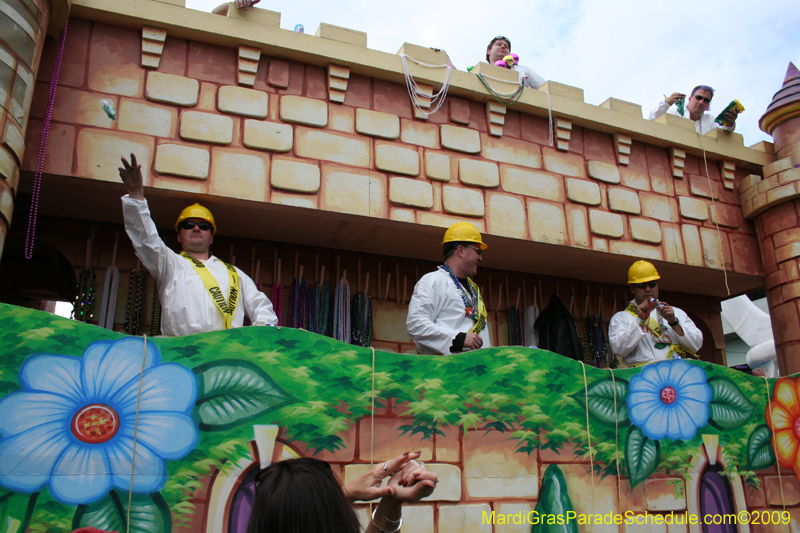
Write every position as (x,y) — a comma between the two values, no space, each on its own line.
(692,336)
(659,109)
(150,248)
(425,305)
(624,333)
(256,304)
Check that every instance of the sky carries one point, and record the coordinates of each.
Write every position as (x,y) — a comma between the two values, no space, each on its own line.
(636,51)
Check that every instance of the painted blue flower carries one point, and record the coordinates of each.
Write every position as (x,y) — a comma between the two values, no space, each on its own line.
(72,425)
(669,399)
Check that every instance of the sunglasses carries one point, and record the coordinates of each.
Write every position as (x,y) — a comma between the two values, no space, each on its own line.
(474,248)
(651,284)
(702,99)
(190,224)
(501,38)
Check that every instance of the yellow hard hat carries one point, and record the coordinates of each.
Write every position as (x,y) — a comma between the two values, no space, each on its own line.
(642,271)
(463,232)
(197,211)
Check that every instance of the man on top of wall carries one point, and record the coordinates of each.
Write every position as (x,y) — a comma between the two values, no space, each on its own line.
(498,48)
(696,109)
(650,330)
(241,4)
(446,314)
(198,292)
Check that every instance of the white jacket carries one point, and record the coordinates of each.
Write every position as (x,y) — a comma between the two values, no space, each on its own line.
(436,315)
(635,346)
(186,305)
(532,79)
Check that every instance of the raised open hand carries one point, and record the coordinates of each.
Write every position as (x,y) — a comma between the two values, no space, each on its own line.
(368,487)
(131,175)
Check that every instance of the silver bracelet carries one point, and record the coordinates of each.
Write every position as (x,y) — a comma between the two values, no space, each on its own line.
(379,528)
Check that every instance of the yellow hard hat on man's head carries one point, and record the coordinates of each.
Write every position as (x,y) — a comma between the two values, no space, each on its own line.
(463,232)
(642,271)
(197,211)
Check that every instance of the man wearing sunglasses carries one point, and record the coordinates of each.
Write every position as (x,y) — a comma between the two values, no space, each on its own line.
(498,48)
(695,109)
(198,292)
(650,330)
(446,313)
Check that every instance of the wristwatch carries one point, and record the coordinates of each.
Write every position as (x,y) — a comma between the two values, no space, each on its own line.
(673,324)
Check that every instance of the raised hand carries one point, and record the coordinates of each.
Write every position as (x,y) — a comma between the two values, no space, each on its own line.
(131,175)
(368,487)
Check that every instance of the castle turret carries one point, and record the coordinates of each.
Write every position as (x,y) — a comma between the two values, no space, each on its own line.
(773,203)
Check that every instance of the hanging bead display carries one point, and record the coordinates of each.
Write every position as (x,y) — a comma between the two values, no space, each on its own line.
(133,305)
(341,312)
(597,342)
(298,317)
(362,319)
(155,315)
(83,306)
(319,306)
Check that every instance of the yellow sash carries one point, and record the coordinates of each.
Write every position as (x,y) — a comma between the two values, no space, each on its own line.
(660,335)
(480,321)
(226,308)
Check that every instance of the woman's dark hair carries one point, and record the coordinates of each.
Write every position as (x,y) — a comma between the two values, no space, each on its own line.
(298,496)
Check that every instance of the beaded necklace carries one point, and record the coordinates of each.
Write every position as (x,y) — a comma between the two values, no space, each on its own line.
(108,306)
(83,304)
(362,319)
(133,305)
(514,327)
(155,315)
(319,305)
(298,318)
(468,296)
(341,312)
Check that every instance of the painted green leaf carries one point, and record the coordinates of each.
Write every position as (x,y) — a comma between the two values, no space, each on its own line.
(729,408)
(759,449)
(231,392)
(554,501)
(149,513)
(601,401)
(642,455)
(105,514)
(16,511)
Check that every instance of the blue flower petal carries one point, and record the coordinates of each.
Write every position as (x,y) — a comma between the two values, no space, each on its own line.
(168,387)
(643,410)
(640,384)
(171,435)
(107,371)
(700,392)
(82,475)
(655,426)
(27,459)
(58,374)
(692,376)
(21,411)
(698,412)
(151,470)
(674,422)
(688,427)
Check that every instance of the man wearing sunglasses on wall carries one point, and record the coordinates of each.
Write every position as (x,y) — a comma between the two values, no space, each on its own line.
(695,109)
(446,314)
(649,330)
(198,292)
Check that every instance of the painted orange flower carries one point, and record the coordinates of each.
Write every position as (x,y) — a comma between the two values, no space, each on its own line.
(784,421)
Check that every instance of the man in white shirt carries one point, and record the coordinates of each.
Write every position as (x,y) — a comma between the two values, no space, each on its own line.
(498,48)
(198,292)
(650,330)
(695,109)
(446,313)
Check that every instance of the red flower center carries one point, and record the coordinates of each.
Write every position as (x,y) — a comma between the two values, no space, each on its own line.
(797,427)
(668,395)
(95,424)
